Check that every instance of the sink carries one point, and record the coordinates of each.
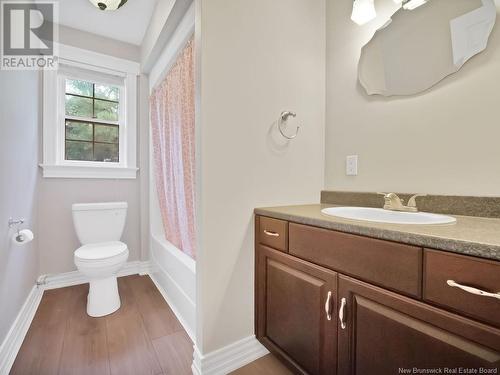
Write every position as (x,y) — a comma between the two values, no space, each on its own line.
(380,215)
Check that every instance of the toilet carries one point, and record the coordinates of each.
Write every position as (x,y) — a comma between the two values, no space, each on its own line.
(99,227)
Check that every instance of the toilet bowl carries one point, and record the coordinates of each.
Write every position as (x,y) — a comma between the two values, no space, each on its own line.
(99,227)
(100,262)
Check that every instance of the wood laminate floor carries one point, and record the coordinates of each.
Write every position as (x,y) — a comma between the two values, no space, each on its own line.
(267,365)
(142,338)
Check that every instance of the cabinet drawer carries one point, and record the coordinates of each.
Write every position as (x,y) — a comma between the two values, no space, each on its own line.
(273,233)
(464,270)
(392,265)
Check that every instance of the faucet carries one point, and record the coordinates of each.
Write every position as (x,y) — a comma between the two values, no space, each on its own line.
(394,203)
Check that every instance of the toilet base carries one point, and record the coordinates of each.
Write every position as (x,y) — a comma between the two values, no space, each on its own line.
(103,298)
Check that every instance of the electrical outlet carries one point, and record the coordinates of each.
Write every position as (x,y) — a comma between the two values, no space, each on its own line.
(351,165)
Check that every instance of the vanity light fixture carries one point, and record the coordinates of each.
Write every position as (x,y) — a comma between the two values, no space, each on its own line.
(363,11)
(410,4)
(108,4)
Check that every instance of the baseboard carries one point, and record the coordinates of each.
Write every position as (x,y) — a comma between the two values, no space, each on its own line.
(228,358)
(15,337)
(63,280)
(179,303)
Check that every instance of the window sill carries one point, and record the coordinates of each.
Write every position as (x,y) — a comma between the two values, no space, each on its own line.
(80,171)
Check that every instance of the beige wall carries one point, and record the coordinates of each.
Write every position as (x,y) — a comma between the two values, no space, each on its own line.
(444,141)
(19,119)
(252,68)
(57,237)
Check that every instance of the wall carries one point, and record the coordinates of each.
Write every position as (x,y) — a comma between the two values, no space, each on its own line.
(162,26)
(156,25)
(57,239)
(444,141)
(98,43)
(18,190)
(252,66)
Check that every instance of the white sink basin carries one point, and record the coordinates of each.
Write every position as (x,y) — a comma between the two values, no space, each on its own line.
(380,215)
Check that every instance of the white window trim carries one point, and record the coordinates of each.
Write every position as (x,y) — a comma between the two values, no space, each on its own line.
(54,165)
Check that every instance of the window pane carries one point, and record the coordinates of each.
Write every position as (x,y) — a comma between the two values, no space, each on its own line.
(106,110)
(107,92)
(78,150)
(77,87)
(106,133)
(106,152)
(77,106)
(78,131)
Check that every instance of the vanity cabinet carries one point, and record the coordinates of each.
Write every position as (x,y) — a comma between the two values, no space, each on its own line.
(329,302)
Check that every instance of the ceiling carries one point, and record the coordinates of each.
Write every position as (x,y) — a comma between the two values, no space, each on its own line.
(127,24)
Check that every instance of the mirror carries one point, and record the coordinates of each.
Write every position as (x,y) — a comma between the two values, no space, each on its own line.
(418,48)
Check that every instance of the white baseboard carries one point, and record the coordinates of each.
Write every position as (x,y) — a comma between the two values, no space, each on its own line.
(63,280)
(15,337)
(228,358)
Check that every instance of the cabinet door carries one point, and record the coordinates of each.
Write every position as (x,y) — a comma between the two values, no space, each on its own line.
(386,334)
(296,304)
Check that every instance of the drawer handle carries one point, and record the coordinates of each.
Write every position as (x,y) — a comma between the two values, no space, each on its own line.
(472,290)
(271,234)
(341,313)
(328,308)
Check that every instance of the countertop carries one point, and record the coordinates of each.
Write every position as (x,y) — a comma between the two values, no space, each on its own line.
(470,235)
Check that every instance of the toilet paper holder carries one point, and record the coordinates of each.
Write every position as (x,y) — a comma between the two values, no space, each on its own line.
(18,222)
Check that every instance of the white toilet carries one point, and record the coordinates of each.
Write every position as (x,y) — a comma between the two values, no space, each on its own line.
(99,227)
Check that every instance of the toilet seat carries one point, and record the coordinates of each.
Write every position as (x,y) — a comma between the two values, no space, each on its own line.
(100,251)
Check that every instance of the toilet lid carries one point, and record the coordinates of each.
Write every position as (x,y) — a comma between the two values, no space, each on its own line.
(102,250)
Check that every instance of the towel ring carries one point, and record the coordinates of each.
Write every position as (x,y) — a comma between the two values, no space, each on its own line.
(284,118)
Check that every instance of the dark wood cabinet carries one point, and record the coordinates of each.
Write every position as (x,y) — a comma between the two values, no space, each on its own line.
(385,333)
(296,311)
(334,303)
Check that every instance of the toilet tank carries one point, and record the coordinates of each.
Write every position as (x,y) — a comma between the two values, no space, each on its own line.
(99,222)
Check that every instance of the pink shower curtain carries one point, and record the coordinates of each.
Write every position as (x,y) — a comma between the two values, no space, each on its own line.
(172,119)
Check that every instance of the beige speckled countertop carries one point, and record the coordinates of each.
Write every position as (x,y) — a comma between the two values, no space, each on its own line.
(470,235)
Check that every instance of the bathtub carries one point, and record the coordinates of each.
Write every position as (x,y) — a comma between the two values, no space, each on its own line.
(174,273)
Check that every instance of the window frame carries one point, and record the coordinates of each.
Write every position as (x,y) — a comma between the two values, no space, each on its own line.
(93,68)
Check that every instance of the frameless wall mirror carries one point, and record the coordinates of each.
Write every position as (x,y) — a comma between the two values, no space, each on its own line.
(419,47)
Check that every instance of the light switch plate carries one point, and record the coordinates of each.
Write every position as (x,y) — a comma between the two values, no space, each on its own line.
(351,165)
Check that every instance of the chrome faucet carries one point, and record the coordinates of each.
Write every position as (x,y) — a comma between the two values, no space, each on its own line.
(394,203)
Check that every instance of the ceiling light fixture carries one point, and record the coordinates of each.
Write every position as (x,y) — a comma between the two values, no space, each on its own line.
(410,4)
(363,11)
(108,4)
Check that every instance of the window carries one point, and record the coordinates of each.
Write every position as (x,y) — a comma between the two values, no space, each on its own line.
(92,124)
(89,117)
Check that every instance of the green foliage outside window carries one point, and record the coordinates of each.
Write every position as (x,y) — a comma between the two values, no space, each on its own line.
(90,136)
